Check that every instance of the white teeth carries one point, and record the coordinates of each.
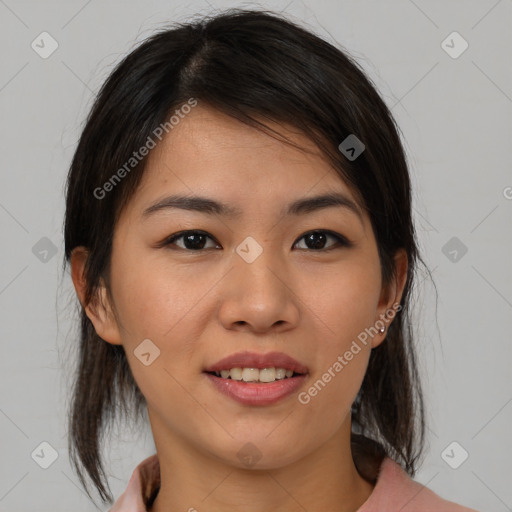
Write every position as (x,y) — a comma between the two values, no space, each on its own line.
(236,373)
(250,374)
(267,374)
(255,374)
(280,373)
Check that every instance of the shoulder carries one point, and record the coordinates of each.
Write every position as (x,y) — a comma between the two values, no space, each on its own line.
(141,489)
(396,490)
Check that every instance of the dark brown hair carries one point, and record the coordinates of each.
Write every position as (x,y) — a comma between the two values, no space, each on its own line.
(251,65)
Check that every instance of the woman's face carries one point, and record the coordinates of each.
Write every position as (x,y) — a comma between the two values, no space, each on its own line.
(255,281)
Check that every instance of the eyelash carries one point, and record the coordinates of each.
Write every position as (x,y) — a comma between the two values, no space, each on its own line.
(342,241)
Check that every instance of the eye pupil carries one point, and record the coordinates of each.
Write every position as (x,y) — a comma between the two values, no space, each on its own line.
(189,241)
(318,240)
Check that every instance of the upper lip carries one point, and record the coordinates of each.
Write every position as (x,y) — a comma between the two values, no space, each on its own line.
(254,360)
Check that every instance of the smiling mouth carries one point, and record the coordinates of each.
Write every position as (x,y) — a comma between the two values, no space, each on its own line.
(256,375)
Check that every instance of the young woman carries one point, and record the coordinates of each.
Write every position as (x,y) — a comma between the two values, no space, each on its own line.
(238,227)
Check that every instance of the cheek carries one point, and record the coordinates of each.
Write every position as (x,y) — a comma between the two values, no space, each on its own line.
(164,305)
(326,402)
(154,306)
(152,299)
(345,300)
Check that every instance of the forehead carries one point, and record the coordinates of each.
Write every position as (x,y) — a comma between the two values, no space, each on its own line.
(210,152)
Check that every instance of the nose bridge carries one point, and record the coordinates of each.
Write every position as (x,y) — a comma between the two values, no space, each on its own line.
(258,293)
(257,264)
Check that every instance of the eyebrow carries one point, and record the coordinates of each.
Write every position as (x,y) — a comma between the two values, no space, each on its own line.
(212,207)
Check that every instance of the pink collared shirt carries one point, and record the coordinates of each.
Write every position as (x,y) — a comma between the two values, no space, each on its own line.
(394,491)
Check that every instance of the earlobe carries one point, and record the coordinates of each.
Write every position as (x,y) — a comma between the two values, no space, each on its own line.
(98,310)
(391,297)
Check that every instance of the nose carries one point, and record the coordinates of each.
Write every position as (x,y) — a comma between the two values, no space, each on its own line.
(259,296)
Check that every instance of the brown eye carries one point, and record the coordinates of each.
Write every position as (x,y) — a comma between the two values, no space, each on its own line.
(316,240)
(192,240)
(195,240)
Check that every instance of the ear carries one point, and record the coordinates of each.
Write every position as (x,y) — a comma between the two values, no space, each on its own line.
(391,296)
(99,310)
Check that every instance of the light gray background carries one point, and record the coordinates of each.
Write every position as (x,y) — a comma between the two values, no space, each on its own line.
(455,114)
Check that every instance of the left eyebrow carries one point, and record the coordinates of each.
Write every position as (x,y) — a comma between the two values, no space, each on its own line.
(213,207)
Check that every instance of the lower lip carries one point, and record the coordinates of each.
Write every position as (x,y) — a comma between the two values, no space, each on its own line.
(254,393)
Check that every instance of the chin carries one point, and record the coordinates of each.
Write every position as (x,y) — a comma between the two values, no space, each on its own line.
(261,453)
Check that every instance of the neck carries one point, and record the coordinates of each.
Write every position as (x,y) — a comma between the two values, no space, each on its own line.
(193,480)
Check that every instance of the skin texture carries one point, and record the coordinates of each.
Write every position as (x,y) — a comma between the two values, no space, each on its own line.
(200,306)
